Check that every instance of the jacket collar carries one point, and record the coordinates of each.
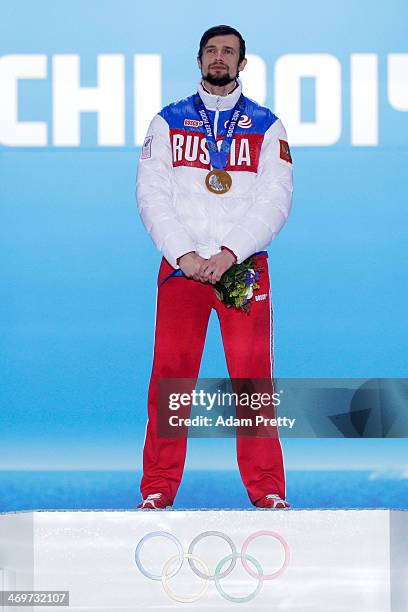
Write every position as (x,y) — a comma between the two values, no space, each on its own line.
(212,102)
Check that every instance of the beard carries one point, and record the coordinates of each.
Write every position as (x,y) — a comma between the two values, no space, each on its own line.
(218,81)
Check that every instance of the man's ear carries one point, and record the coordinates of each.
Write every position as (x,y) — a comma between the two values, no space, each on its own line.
(242,65)
(199,62)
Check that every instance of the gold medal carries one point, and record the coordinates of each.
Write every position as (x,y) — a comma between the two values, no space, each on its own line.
(218,181)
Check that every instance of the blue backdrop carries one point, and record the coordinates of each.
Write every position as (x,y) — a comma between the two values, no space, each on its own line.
(78,270)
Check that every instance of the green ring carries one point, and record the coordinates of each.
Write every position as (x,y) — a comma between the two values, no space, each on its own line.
(221,591)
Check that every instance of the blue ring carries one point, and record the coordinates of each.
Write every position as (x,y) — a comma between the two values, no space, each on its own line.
(149,536)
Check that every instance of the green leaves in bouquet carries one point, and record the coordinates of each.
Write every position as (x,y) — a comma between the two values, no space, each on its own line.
(235,284)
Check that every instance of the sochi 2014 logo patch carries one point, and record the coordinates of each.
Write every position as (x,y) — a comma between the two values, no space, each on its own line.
(147,148)
(245,122)
(285,151)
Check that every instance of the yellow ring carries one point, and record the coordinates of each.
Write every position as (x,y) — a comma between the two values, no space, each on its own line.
(171,593)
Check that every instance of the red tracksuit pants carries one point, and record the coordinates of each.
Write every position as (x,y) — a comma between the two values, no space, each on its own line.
(183,310)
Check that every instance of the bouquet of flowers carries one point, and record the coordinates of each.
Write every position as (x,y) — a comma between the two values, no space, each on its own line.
(236,286)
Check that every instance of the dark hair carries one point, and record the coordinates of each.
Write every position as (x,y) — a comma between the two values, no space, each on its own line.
(222,30)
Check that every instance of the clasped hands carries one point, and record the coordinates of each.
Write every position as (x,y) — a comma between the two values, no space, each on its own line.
(206,270)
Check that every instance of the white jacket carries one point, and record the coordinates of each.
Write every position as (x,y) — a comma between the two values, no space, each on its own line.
(178,211)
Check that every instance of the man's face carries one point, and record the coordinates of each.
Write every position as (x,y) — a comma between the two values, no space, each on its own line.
(219,62)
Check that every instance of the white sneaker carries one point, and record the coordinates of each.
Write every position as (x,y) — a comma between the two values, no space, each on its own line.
(272,500)
(155,501)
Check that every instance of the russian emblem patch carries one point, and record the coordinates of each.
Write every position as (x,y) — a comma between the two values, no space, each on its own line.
(285,151)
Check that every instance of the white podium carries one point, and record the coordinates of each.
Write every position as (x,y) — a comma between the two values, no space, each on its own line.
(336,560)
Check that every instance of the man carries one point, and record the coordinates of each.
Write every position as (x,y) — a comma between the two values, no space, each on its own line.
(206,208)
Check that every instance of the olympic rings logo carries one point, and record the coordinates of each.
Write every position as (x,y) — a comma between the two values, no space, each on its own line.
(177,560)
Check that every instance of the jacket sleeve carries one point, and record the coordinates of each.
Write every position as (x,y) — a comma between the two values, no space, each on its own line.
(273,198)
(154,194)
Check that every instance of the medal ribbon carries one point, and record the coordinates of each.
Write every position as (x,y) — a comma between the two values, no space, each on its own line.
(219,158)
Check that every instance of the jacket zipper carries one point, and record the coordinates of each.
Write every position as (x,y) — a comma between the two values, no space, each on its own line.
(217,114)
(213,224)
